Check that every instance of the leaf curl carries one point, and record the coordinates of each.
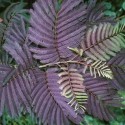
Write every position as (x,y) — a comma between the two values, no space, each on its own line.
(97,67)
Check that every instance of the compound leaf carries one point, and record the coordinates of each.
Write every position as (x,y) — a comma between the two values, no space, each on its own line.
(101,94)
(97,67)
(53,30)
(103,41)
(49,106)
(71,84)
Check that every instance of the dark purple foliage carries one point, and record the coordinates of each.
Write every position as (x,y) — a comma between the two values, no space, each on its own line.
(38,73)
(117,65)
(48,103)
(95,14)
(54,31)
(101,94)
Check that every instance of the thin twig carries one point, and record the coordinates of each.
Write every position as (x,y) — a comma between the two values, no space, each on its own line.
(64,62)
(121,17)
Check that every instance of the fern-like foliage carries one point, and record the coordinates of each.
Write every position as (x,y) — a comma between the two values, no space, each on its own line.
(97,67)
(101,94)
(16,38)
(71,84)
(11,15)
(101,41)
(15,88)
(50,107)
(14,95)
(4,70)
(68,62)
(17,80)
(54,29)
(26,77)
(117,65)
(95,14)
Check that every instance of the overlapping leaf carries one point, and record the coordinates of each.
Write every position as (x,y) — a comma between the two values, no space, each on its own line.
(15,94)
(5,58)
(11,15)
(95,14)
(17,81)
(101,94)
(98,67)
(4,70)
(49,106)
(71,84)
(103,41)
(26,76)
(16,44)
(54,28)
(117,65)
(16,85)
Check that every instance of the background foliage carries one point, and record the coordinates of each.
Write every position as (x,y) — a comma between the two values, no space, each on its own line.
(115,8)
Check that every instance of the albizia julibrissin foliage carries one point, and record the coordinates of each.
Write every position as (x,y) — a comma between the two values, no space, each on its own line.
(68,60)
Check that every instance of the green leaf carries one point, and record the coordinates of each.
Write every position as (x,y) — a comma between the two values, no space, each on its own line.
(122,21)
(108,5)
(110,13)
(123,5)
(122,93)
